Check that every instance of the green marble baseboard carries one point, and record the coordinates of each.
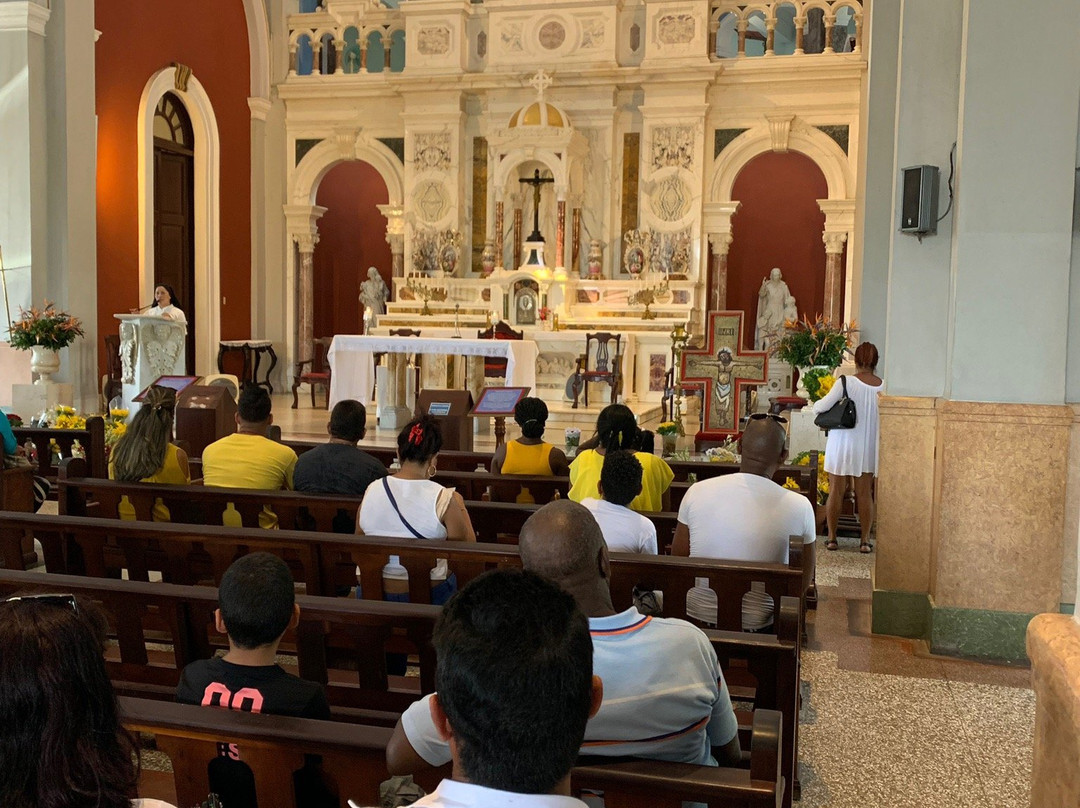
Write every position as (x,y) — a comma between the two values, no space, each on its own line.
(970,633)
(901,614)
(979,634)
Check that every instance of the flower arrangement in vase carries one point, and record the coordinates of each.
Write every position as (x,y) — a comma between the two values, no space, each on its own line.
(816,348)
(44,333)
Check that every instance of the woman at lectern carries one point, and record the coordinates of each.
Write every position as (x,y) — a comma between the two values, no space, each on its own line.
(144,453)
(166,306)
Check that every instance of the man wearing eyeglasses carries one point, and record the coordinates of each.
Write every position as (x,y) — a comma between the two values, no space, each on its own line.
(745,517)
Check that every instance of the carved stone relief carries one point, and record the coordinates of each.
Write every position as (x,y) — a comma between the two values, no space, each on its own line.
(673,146)
(671,252)
(671,199)
(431,200)
(553,369)
(433,41)
(128,346)
(511,37)
(676,29)
(432,150)
(552,35)
(164,349)
(592,34)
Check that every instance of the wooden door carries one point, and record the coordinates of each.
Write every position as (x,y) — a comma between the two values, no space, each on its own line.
(174,209)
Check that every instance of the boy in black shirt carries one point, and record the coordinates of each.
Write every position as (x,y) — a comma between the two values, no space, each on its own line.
(256,605)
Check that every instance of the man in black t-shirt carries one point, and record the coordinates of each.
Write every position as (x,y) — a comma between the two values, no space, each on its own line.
(338,467)
(256,605)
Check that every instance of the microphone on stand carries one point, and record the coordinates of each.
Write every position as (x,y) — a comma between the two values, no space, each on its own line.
(144,308)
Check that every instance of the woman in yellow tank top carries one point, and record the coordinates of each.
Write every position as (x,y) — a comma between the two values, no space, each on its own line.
(530,454)
(144,454)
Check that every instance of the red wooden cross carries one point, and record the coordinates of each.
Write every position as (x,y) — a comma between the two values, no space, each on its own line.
(723,369)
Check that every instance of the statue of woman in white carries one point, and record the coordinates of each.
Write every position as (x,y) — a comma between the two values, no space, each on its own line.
(772,301)
(373,294)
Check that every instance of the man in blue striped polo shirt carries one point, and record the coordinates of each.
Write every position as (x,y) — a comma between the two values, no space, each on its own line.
(664,694)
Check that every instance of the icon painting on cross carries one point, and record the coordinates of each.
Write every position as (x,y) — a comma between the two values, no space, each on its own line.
(722,369)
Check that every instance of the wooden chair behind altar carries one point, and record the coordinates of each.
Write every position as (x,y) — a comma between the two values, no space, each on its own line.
(600,365)
(318,371)
(495,366)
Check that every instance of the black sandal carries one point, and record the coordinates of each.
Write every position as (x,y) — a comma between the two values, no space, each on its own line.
(832,544)
(865,547)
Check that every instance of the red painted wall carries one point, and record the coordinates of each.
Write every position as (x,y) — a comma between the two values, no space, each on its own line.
(352,237)
(779,224)
(138,39)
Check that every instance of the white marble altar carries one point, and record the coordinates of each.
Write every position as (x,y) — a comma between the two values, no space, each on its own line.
(149,347)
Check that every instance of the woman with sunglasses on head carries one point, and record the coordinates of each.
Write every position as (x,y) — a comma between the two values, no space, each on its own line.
(616,428)
(63,743)
(854,452)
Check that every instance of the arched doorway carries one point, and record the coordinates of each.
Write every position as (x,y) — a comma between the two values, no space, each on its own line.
(352,237)
(174,209)
(778,224)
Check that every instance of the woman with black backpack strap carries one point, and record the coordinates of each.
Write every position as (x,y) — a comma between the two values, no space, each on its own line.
(854,452)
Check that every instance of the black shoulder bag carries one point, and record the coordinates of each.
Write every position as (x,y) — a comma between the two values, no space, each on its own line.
(840,415)
(393,502)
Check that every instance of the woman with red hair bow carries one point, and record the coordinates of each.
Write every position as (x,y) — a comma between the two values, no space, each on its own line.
(410,505)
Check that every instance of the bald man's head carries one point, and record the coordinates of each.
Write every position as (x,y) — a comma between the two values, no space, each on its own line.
(562,542)
(763,442)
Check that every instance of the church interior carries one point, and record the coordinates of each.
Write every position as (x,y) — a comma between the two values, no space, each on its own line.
(610,202)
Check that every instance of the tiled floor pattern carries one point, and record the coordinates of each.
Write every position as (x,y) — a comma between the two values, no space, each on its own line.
(886,724)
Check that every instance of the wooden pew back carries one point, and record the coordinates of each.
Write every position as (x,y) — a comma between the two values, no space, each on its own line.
(92,440)
(326,563)
(354,760)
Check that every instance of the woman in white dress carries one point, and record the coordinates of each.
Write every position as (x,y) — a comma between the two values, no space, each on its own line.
(854,452)
(165,306)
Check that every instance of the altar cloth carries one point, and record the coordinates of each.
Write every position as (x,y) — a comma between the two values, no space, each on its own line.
(352,362)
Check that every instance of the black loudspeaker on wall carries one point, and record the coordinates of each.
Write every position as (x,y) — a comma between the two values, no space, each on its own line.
(919,204)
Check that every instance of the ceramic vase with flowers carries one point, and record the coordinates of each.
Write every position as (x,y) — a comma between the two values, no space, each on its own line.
(44,333)
(816,348)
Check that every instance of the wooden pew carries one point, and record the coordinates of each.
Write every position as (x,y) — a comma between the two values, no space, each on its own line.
(92,440)
(454,461)
(341,643)
(326,563)
(354,760)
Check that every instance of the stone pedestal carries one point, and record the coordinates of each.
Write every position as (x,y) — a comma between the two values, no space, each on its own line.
(804,436)
(27,400)
(14,369)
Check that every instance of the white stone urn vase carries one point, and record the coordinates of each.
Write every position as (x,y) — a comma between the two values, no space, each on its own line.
(800,388)
(44,362)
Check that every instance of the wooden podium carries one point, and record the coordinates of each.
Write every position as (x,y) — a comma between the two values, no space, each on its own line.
(451,409)
(204,414)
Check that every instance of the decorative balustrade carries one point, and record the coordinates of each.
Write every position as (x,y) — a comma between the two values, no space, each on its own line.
(320,45)
(785,28)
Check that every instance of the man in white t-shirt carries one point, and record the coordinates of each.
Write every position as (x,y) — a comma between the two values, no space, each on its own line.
(746,517)
(625,531)
(664,694)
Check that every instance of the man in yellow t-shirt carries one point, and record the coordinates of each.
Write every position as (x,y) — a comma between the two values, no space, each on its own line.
(247,458)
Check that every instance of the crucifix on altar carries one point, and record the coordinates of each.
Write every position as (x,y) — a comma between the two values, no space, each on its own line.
(534,243)
(722,371)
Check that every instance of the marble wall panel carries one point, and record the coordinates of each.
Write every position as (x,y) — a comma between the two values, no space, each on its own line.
(1002,471)
(1072,513)
(905,493)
